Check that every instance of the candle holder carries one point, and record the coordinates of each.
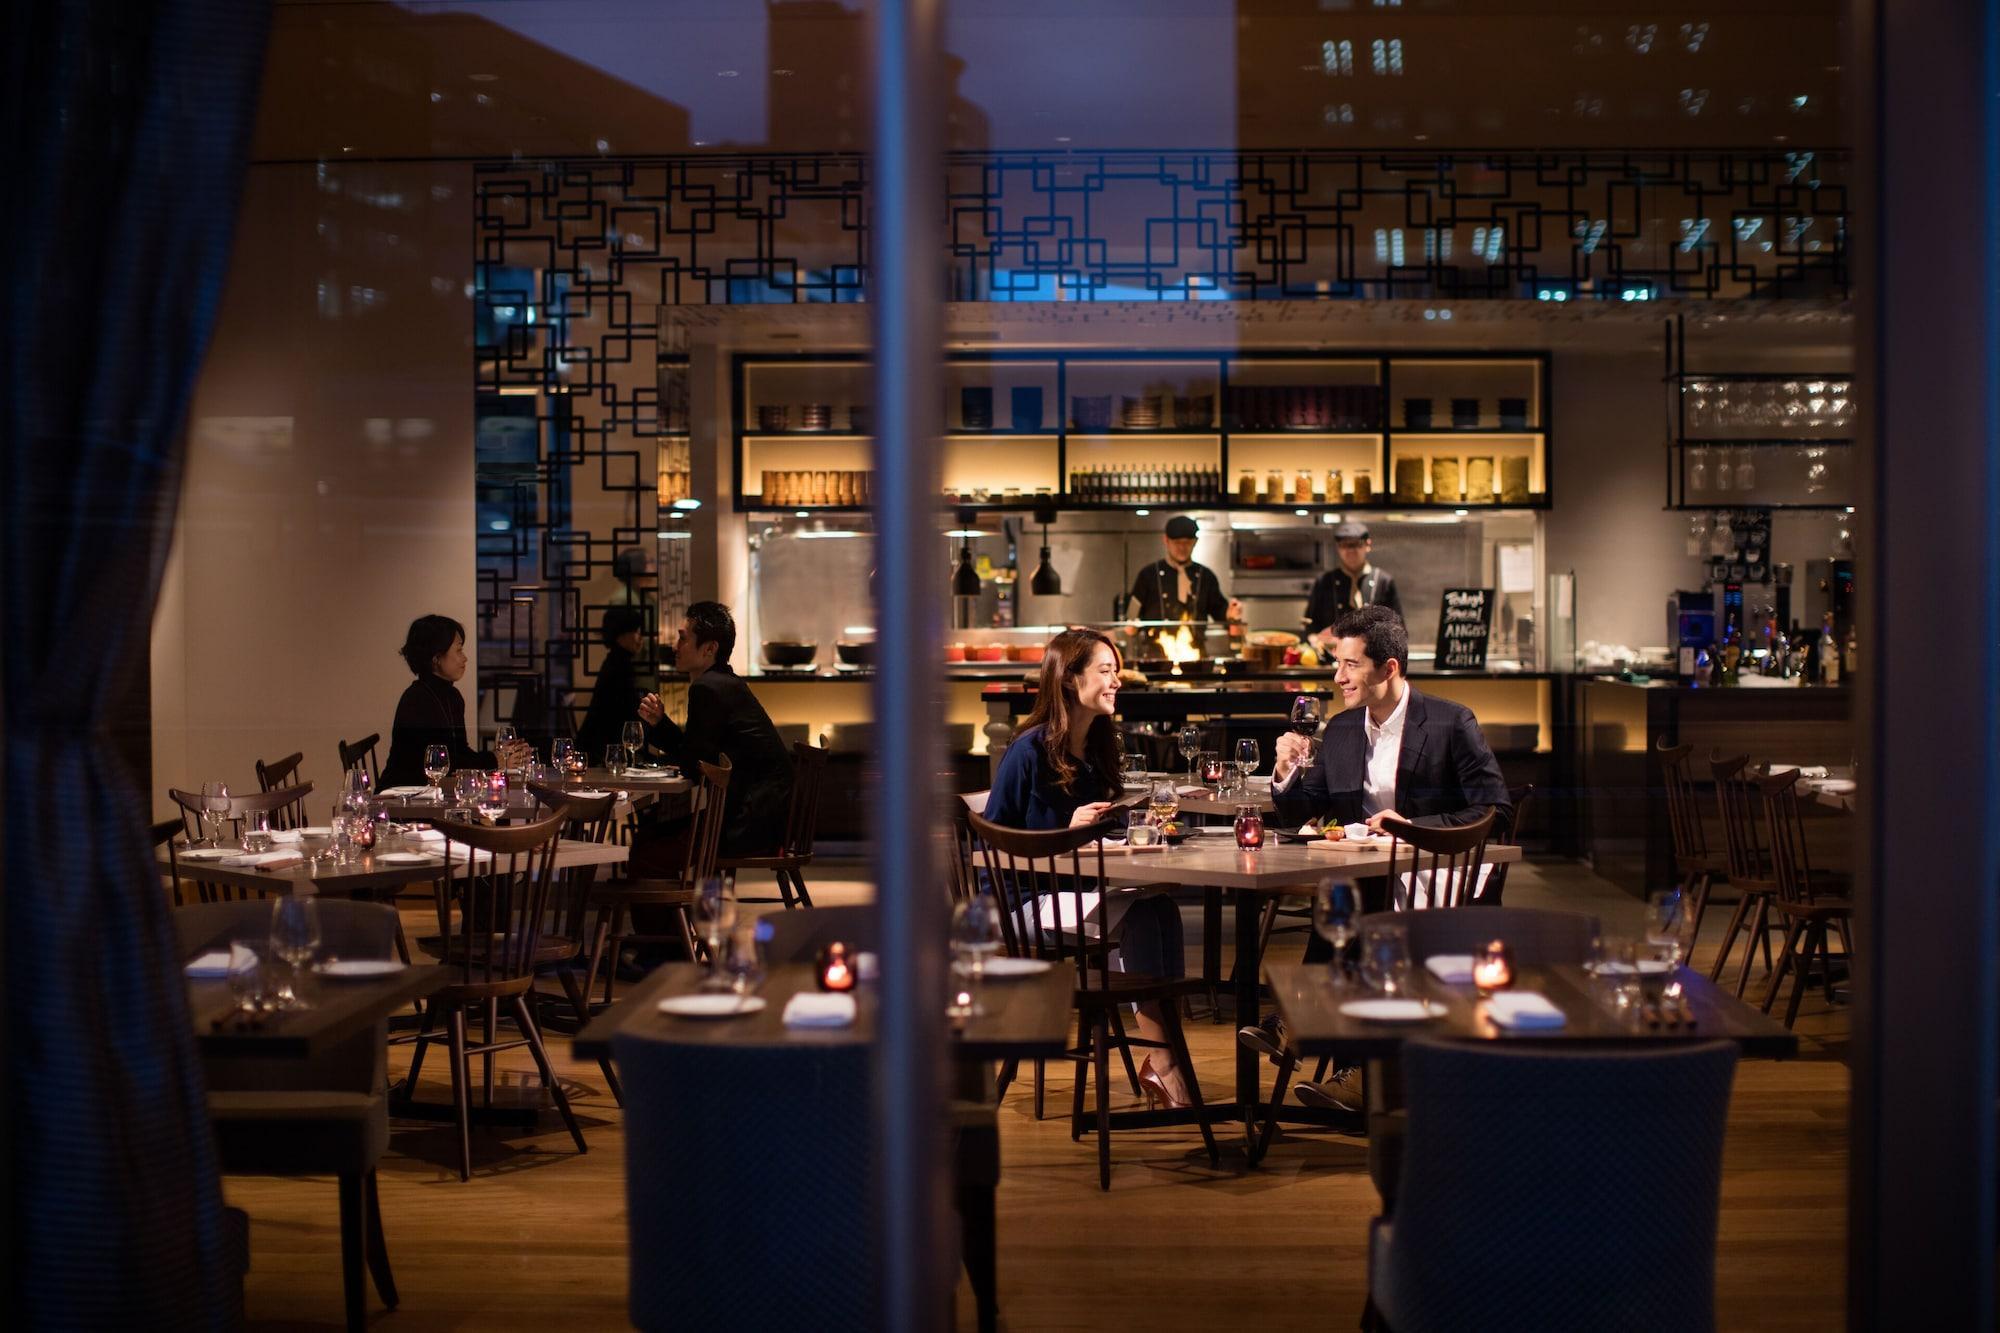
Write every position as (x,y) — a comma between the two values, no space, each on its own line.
(836,968)
(1249,828)
(1212,770)
(1493,968)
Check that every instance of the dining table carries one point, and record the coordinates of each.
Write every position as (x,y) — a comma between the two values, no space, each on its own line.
(372,874)
(1210,860)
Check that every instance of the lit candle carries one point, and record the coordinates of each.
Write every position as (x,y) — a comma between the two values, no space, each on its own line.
(1249,828)
(836,968)
(1493,968)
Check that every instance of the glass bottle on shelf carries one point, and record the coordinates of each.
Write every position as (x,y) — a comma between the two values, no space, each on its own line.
(1274,487)
(1246,486)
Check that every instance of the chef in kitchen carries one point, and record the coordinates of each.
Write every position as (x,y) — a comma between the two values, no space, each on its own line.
(1177,588)
(1352,584)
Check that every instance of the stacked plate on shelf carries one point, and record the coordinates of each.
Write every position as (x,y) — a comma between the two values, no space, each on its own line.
(1139,413)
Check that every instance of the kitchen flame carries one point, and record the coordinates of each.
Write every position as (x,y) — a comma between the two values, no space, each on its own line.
(1179,645)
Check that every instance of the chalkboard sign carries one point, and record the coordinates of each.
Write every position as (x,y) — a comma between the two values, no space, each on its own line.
(1465,625)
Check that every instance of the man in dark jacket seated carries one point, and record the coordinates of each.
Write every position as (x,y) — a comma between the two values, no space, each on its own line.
(1393,753)
(723,718)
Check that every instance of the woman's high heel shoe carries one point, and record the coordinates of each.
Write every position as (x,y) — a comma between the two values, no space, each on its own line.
(1155,1088)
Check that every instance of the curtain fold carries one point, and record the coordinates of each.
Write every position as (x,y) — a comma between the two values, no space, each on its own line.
(129,124)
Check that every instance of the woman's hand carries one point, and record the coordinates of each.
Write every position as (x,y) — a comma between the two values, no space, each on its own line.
(1089,814)
(515,753)
(651,710)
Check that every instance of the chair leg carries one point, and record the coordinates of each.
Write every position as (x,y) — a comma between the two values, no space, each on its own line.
(687,935)
(1736,919)
(1041,1068)
(576,993)
(1183,1061)
(423,1042)
(461,1095)
(1826,962)
(1760,929)
(378,1245)
(799,888)
(1786,960)
(1803,967)
(1258,1137)
(1009,1068)
(1698,891)
(615,934)
(354,1248)
(534,1036)
(1103,1061)
(489,1020)
(1125,1048)
(1082,1079)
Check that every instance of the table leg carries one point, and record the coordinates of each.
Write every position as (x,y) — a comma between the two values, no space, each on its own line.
(1211,948)
(1249,969)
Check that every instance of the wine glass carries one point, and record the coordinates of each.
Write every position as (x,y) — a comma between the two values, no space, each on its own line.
(256,831)
(744,956)
(505,740)
(1163,804)
(562,753)
(295,938)
(1670,931)
(437,763)
(1746,470)
(1247,758)
(715,916)
(1306,715)
(1190,747)
(214,811)
(975,937)
(357,786)
(1336,910)
(492,797)
(1385,956)
(467,791)
(313,844)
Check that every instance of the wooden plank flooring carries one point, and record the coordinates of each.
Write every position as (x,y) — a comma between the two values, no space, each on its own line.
(537,1238)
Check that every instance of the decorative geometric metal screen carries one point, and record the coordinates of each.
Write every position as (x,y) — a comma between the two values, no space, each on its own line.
(575,262)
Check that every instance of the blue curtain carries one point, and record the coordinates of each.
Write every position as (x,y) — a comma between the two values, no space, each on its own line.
(128,130)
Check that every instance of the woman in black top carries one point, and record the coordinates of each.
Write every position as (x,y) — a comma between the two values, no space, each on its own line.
(614,700)
(431,711)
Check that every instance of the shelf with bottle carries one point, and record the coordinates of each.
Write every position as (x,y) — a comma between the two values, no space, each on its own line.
(1112,485)
(1461,471)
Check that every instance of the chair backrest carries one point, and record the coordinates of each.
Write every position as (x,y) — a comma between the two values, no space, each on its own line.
(1683,806)
(1507,833)
(1791,867)
(163,834)
(1562,1145)
(705,838)
(285,805)
(1443,864)
(501,892)
(589,816)
(361,754)
(797,935)
(802,820)
(279,772)
(1537,936)
(348,929)
(964,859)
(1742,838)
(1067,867)
(708,1221)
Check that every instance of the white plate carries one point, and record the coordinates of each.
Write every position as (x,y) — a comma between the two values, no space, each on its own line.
(358,969)
(1016,967)
(407,858)
(1646,967)
(711,1006)
(1835,786)
(206,853)
(1394,1009)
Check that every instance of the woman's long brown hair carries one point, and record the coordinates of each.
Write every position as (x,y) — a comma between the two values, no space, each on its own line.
(1056,711)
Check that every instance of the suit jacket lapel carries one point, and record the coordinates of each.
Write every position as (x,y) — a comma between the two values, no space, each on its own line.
(1415,733)
(1347,762)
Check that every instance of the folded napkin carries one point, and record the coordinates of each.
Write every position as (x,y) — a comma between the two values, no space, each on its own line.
(588,795)
(1454,969)
(1523,1009)
(1191,791)
(276,860)
(813,1009)
(425,835)
(387,792)
(220,964)
(1812,770)
(284,835)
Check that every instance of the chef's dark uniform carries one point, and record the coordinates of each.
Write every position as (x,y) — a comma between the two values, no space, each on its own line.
(1156,593)
(1333,596)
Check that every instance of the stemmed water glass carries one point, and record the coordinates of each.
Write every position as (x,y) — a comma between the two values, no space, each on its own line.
(505,737)
(295,938)
(313,844)
(562,753)
(975,937)
(467,791)
(1190,747)
(715,917)
(1336,912)
(214,811)
(491,800)
(1247,759)
(635,741)
(1385,957)
(1670,933)
(437,763)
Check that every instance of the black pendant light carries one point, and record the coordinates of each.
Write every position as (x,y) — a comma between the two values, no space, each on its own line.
(1046,582)
(965,579)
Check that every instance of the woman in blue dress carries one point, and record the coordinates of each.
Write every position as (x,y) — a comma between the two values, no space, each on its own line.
(1062,772)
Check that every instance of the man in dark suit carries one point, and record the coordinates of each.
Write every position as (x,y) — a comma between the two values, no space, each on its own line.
(724,718)
(1349,586)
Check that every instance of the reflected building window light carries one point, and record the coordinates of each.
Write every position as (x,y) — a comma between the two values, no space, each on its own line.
(1336,58)
(1693,35)
(1385,56)
(1340,115)
(1640,37)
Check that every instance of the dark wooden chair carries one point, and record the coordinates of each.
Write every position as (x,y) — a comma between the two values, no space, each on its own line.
(1068,865)
(1506,833)
(1555,1251)
(361,754)
(612,900)
(1802,900)
(1443,862)
(586,819)
(1749,866)
(795,853)
(1697,865)
(323,1116)
(164,833)
(500,896)
(279,772)
(286,802)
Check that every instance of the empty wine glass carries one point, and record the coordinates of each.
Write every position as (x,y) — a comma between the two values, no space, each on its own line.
(715,917)
(1697,474)
(466,792)
(562,753)
(1746,469)
(1815,458)
(1698,529)
(744,956)
(1385,956)
(214,811)
(256,831)
(1190,747)
(975,937)
(313,844)
(492,797)
(294,938)
(634,737)
(1336,909)
(357,786)
(1247,758)
(437,763)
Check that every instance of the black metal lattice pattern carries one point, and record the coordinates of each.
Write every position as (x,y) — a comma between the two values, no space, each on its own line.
(575,261)
(1361,225)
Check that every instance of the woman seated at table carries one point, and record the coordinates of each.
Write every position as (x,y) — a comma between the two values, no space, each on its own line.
(432,711)
(1062,772)
(614,699)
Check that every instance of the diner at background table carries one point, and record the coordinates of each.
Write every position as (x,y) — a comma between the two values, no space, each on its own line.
(432,711)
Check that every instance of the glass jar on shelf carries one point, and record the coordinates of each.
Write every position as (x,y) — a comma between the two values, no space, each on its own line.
(1246,486)
(1334,493)
(1274,487)
(1302,489)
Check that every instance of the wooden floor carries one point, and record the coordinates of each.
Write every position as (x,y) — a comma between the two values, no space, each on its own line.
(537,1238)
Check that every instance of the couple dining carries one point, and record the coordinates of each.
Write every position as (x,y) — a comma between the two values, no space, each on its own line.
(1394,753)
